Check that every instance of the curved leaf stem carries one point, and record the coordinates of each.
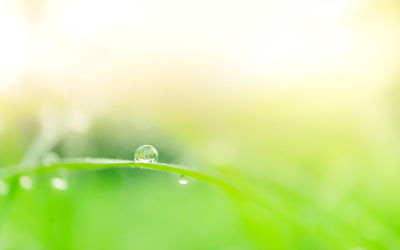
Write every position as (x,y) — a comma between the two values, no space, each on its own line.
(96,164)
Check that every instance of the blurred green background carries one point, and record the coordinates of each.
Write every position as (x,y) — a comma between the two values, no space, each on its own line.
(295,104)
(312,180)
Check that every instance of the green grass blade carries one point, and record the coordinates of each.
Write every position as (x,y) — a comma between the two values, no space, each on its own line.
(97,164)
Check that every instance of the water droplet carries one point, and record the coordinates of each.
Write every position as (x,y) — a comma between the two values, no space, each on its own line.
(4,188)
(146,154)
(49,159)
(183,180)
(59,183)
(26,182)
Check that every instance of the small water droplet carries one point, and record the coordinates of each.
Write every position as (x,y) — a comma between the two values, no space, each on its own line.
(146,154)
(59,183)
(183,180)
(4,188)
(49,159)
(26,182)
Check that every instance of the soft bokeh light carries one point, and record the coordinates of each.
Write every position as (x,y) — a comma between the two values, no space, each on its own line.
(262,43)
(26,182)
(4,188)
(59,183)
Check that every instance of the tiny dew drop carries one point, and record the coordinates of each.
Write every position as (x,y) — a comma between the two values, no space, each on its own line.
(146,154)
(183,180)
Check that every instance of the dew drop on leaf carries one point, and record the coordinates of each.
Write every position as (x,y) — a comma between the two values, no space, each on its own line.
(146,154)
(183,180)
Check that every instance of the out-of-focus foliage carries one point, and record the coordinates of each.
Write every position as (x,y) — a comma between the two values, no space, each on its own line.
(312,179)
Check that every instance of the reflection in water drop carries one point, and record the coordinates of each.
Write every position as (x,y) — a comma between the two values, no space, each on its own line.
(183,180)
(146,154)
(59,183)
(4,188)
(26,182)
